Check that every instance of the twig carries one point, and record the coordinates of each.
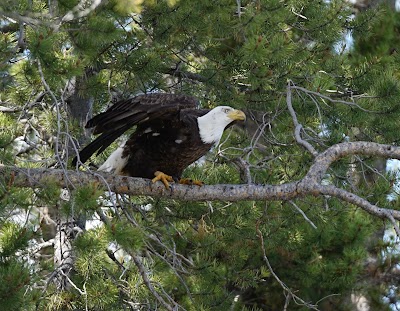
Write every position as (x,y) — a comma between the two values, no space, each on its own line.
(303,214)
(142,270)
(331,99)
(288,297)
(238,8)
(244,168)
(174,270)
(72,283)
(297,125)
(296,298)
(147,282)
(48,89)
(394,223)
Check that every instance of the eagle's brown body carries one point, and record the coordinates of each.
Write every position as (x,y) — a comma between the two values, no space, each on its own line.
(167,137)
(167,145)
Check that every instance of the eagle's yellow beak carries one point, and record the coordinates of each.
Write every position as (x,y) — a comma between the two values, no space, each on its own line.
(237,115)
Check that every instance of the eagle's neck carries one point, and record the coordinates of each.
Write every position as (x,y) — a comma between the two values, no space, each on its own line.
(211,127)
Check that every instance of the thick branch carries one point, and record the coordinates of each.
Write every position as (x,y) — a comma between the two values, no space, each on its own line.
(358,201)
(324,160)
(311,184)
(37,178)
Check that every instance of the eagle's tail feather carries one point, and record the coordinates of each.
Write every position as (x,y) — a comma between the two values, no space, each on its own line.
(99,144)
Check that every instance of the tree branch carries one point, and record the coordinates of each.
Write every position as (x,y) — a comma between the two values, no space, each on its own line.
(144,274)
(37,178)
(82,9)
(298,127)
(335,101)
(17,18)
(296,299)
(311,184)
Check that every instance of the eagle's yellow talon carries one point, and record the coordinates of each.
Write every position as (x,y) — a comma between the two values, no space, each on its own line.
(164,178)
(189,181)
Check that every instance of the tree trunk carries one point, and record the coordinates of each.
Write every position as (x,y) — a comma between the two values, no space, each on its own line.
(79,106)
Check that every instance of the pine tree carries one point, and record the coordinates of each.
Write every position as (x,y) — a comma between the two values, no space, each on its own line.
(78,247)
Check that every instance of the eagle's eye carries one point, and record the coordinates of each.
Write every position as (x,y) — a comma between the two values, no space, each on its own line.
(226,110)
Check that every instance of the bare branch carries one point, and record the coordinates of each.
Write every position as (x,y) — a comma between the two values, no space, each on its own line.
(82,9)
(358,201)
(303,214)
(8,27)
(149,285)
(331,99)
(323,161)
(5,109)
(33,20)
(297,126)
(289,292)
(394,223)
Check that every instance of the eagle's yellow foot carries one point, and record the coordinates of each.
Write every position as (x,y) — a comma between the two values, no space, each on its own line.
(188,181)
(164,178)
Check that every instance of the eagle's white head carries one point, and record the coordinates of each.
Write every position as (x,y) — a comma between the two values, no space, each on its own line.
(213,123)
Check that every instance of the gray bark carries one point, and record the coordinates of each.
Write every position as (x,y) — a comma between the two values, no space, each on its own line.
(312,183)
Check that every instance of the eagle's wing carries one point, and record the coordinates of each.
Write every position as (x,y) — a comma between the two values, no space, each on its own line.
(130,112)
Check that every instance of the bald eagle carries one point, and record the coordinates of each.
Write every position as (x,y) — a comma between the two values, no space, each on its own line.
(171,133)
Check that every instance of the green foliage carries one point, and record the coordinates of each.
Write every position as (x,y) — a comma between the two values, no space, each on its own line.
(85,198)
(91,250)
(15,277)
(14,273)
(127,236)
(12,238)
(7,125)
(207,255)
(50,193)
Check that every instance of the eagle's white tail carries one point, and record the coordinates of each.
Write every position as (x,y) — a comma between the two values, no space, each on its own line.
(115,162)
